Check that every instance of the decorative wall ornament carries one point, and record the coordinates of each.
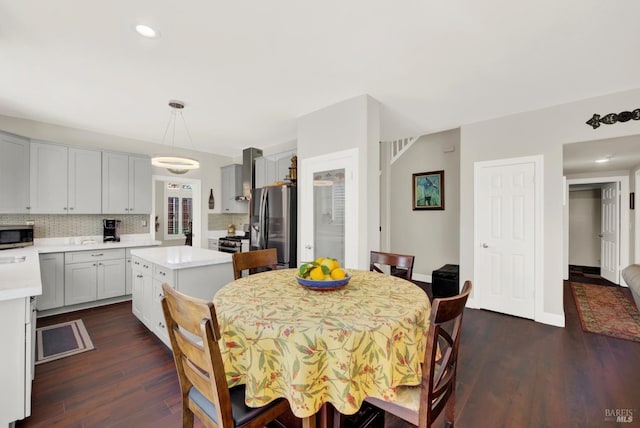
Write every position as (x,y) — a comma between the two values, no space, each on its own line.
(612,118)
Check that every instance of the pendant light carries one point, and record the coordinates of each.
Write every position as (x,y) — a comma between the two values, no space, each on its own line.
(175,164)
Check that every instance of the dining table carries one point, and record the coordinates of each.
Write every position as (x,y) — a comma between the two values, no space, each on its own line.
(313,347)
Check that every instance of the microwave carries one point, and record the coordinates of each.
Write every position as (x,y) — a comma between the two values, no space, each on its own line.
(15,236)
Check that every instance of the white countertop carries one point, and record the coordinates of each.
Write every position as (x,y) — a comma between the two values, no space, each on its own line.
(21,279)
(81,243)
(181,257)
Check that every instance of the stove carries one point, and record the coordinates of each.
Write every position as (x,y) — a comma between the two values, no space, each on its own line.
(233,244)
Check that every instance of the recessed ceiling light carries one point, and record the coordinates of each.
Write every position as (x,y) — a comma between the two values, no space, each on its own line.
(146,31)
(603,160)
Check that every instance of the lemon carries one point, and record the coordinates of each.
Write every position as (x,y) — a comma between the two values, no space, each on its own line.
(331,264)
(316,273)
(319,260)
(338,273)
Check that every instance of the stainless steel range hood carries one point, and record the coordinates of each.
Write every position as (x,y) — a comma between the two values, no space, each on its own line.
(249,156)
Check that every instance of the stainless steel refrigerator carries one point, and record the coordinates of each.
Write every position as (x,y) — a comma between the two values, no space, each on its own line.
(273,222)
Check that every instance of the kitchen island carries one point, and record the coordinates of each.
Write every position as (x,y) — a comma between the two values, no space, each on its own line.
(197,272)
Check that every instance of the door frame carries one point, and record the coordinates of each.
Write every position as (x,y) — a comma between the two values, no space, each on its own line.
(538,236)
(347,159)
(197,206)
(623,243)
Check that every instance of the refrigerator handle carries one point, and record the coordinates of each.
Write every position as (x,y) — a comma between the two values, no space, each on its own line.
(266,220)
(261,240)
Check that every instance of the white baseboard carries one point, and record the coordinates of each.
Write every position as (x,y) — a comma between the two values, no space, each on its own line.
(556,320)
(421,277)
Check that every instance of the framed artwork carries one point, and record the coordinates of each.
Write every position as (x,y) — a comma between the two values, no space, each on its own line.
(428,190)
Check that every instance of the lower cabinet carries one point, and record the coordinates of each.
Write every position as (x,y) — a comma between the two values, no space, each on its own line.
(93,275)
(16,364)
(52,276)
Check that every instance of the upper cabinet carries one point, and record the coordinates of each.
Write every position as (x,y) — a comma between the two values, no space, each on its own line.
(126,184)
(64,180)
(273,168)
(232,187)
(14,174)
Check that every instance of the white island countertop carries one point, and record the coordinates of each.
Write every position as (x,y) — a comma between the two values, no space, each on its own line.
(19,273)
(181,257)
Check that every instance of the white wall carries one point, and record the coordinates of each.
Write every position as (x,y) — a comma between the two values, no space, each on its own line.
(433,237)
(208,173)
(532,133)
(354,123)
(584,226)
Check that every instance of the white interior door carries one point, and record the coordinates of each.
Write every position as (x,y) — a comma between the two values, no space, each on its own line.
(328,202)
(505,237)
(610,233)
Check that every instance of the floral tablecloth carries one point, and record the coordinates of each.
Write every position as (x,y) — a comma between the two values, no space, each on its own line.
(313,347)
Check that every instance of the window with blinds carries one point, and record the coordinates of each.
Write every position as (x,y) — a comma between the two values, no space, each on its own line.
(179,210)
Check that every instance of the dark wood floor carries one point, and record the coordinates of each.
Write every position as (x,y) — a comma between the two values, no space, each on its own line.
(513,373)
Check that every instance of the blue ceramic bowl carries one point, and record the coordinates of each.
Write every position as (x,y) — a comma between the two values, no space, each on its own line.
(329,284)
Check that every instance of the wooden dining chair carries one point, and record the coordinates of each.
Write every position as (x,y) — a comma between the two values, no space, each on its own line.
(421,405)
(205,392)
(401,265)
(254,261)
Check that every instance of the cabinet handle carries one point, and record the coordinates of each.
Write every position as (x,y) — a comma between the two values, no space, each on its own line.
(163,274)
(136,263)
(65,208)
(145,266)
(160,324)
(28,208)
(138,276)
(70,208)
(97,255)
(99,264)
(95,264)
(160,295)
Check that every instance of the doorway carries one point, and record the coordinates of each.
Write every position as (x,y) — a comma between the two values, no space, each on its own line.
(612,238)
(176,202)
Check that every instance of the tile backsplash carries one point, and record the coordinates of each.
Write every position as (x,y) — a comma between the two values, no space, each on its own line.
(222,221)
(63,225)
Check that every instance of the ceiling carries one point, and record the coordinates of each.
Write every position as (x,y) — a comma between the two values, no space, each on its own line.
(623,154)
(247,70)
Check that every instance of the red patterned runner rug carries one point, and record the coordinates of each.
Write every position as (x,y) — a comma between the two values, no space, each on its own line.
(606,310)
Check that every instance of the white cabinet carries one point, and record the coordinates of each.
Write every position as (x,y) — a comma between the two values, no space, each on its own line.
(201,282)
(232,187)
(85,181)
(142,273)
(16,360)
(93,275)
(265,172)
(111,278)
(64,179)
(52,276)
(272,168)
(14,174)
(126,184)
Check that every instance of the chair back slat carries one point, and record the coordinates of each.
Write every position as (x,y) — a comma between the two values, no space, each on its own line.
(254,261)
(400,264)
